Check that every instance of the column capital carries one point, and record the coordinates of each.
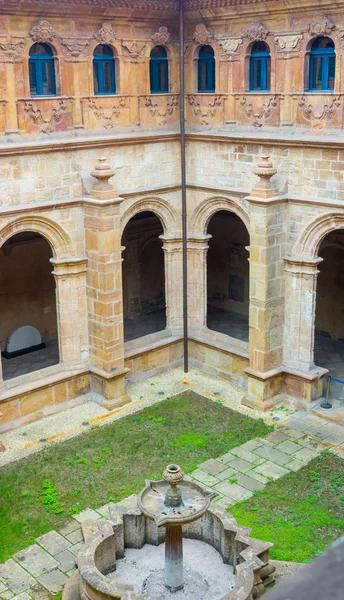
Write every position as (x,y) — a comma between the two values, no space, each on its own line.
(302,265)
(70,266)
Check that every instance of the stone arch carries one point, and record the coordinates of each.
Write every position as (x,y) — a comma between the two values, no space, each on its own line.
(203,213)
(161,208)
(57,238)
(310,239)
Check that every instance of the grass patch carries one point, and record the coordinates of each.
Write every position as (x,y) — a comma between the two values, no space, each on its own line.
(301,513)
(108,463)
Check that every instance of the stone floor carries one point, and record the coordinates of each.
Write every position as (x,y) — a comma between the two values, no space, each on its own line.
(144,325)
(44,567)
(330,355)
(228,322)
(33,361)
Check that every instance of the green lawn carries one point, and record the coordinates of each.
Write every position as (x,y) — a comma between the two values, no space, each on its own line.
(301,513)
(108,463)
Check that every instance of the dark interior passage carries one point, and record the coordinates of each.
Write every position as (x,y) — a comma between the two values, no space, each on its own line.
(228,276)
(143,277)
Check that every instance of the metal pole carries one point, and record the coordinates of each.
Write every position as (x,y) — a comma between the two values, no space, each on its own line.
(183,184)
(327,404)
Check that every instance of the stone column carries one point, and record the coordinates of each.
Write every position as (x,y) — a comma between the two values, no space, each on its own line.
(266,311)
(71,302)
(173,252)
(105,309)
(132,266)
(2,383)
(11,54)
(300,294)
(197,279)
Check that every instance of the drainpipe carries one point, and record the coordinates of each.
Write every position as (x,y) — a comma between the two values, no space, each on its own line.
(183,183)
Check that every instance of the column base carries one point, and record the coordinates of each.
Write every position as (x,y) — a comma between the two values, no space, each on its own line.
(263,389)
(111,386)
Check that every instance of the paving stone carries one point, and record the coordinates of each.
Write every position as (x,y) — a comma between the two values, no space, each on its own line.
(288,447)
(276,437)
(104,510)
(251,444)
(233,490)
(75,549)
(87,515)
(38,592)
(306,454)
(226,458)
(227,473)
(212,467)
(53,581)
(241,465)
(249,484)
(271,470)
(53,542)
(70,527)
(15,577)
(334,439)
(257,477)
(293,433)
(7,595)
(204,477)
(295,465)
(75,537)
(225,501)
(3,588)
(265,442)
(299,425)
(22,596)
(66,560)
(247,455)
(273,455)
(36,560)
(311,443)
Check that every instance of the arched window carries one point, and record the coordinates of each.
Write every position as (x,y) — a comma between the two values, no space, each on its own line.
(104,76)
(260,67)
(158,69)
(206,69)
(322,65)
(42,71)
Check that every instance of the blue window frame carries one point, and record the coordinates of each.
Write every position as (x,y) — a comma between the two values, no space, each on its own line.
(206,69)
(260,68)
(322,65)
(104,75)
(41,71)
(158,70)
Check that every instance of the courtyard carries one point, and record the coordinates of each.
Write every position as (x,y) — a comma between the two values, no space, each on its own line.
(282,475)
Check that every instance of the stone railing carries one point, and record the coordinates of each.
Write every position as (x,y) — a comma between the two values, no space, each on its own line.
(205,109)
(45,115)
(106,112)
(158,110)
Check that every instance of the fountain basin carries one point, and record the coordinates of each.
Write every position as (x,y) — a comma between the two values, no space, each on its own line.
(127,527)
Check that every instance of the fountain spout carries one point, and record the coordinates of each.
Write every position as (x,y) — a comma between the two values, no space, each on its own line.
(173,475)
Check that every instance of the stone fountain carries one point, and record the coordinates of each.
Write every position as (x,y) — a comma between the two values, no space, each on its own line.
(121,556)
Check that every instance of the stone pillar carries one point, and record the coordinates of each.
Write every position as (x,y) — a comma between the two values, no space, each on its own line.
(173,252)
(197,279)
(2,383)
(132,267)
(266,311)
(11,116)
(71,302)
(105,309)
(300,293)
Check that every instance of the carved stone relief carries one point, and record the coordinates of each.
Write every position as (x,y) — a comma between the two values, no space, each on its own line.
(327,112)
(202,35)
(205,113)
(105,34)
(73,48)
(107,115)
(11,51)
(230,46)
(163,111)
(322,25)
(46,125)
(43,32)
(133,49)
(162,37)
(257,31)
(288,43)
(259,116)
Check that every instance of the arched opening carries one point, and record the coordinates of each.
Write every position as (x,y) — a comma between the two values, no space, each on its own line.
(28,326)
(322,65)
(104,75)
(42,71)
(206,70)
(228,275)
(260,68)
(329,313)
(158,70)
(143,277)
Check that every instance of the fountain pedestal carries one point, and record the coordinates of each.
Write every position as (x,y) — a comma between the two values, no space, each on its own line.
(174,577)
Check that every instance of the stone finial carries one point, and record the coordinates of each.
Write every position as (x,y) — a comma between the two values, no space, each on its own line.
(265,170)
(103,172)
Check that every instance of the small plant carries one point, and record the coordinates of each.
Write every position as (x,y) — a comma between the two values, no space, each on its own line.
(49,498)
(77,460)
(233,480)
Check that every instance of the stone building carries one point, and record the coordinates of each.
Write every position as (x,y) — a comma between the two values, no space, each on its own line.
(91,270)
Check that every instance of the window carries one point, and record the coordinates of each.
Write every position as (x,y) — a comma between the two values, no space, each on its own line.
(104,70)
(41,71)
(322,65)
(158,69)
(260,67)
(206,69)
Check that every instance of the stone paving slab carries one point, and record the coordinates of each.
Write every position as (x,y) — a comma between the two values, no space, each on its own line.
(295,465)
(226,458)
(15,577)
(233,490)
(271,470)
(240,465)
(76,536)
(86,515)
(22,596)
(280,458)
(248,483)
(70,527)
(53,581)
(36,560)
(212,466)
(53,542)
(204,477)
(227,474)
(306,454)
(288,447)
(247,455)
(257,476)
(66,560)
(276,436)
